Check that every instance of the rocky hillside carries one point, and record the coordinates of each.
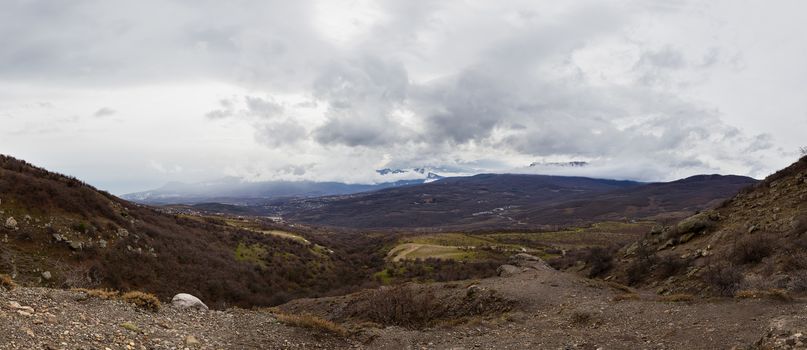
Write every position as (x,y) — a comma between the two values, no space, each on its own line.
(754,241)
(59,232)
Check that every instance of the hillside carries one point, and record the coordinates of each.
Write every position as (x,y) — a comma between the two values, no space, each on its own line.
(754,242)
(494,201)
(57,231)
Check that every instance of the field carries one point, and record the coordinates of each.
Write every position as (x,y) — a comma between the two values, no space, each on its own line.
(548,244)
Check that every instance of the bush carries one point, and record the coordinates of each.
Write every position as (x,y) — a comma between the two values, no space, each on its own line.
(415,307)
(142,300)
(626,296)
(601,260)
(752,249)
(671,265)
(6,282)
(580,318)
(105,294)
(312,322)
(775,294)
(399,306)
(725,279)
(640,267)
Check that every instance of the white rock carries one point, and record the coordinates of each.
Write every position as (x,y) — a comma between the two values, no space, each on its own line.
(11,223)
(46,275)
(187,301)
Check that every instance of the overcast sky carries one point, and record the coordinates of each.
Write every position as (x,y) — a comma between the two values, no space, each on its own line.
(128,95)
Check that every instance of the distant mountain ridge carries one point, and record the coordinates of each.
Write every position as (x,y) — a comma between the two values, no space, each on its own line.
(513,200)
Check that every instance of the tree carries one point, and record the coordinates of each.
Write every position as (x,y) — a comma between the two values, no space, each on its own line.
(803,150)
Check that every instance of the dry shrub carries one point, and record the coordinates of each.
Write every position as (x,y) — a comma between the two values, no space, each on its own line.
(400,306)
(417,307)
(793,261)
(798,282)
(601,260)
(641,267)
(580,318)
(626,296)
(775,294)
(6,282)
(671,265)
(725,279)
(142,300)
(677,298)
(619,286)
(105,294)
(312,322)
(752,249)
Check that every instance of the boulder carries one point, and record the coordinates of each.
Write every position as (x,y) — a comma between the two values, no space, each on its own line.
(46,275)
(529,261)
(507,270)
(187,301)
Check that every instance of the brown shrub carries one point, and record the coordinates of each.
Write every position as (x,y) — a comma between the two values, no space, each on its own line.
(6,282)
(752,249)
(105,294)
(725,279)
(601,261)
(671,265)
(619,286)
(626,296)
(142,300)
(312,322)
(580,318)
(640,267)
(417,307)
(400,306)
(775,294)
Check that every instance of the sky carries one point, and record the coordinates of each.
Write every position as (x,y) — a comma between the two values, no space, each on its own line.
(130,95)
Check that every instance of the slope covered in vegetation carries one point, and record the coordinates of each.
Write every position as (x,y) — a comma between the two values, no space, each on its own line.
(58,231)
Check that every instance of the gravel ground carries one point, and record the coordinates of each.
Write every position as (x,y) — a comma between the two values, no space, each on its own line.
(39,318)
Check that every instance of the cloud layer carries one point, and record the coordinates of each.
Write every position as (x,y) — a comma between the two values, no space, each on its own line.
(316,90)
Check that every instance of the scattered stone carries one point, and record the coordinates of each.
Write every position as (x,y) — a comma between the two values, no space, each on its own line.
(130,326)
(192,341)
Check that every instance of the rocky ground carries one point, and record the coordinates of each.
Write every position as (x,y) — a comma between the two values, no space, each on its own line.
(40,318)
(553,310)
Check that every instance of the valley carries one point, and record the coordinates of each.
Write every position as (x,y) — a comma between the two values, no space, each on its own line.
(591,279)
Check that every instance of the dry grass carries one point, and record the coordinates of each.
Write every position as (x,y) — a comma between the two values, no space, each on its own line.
(6,282)
(142,300)
(774,294)
(677,298)
(626,296)
(312,322)
(105,294)
(619,287)
(580,318)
